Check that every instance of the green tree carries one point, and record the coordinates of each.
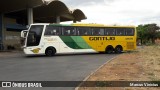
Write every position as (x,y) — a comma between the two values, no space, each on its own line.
(148,32)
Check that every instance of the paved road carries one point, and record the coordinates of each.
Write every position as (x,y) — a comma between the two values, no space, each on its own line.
(57,68)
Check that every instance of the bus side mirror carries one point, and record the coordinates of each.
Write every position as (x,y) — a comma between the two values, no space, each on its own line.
(24,33)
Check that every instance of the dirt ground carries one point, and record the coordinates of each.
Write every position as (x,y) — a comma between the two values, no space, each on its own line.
(140,65)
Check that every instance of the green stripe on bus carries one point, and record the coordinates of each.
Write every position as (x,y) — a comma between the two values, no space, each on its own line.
(80,42)
(70,42)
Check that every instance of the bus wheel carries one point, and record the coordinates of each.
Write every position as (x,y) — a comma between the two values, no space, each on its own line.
(118,49)
(109,49)
(50,51)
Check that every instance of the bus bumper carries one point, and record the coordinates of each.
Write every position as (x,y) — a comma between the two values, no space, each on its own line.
(31,51)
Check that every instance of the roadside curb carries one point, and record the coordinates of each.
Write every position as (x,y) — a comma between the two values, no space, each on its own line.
(97,70)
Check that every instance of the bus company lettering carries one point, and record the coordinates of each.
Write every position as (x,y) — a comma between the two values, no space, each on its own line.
(129,38)
(101,38)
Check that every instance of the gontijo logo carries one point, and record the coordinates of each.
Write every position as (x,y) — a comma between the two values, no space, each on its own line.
(101,38)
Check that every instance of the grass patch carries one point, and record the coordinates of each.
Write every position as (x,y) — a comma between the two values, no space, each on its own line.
(153,78)
(151,74)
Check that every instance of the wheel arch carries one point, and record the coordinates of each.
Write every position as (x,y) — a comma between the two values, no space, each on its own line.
(51,47)
(109,47)
(118,49)
(119,46)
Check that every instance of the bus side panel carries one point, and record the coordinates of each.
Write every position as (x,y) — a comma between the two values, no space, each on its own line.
(74,44)
(99,43)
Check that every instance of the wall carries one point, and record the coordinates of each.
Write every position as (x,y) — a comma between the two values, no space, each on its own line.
(1,18)
(11,38)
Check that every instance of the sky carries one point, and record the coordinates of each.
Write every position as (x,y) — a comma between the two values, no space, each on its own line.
(119,12)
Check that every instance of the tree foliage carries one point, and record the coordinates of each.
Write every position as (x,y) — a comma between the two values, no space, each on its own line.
(148,33)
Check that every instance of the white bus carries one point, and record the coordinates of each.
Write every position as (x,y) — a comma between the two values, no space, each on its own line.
(50,39)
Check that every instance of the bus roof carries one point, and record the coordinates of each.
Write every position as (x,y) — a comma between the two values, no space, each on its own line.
(79,24)
(96,25)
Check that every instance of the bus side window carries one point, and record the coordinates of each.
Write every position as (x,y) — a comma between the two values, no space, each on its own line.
(97,31)
(69,31)
(79,32)
(52,30)
(129,31)
(109,31)
(120,31)
(83,31)
(94,32)
(101,31)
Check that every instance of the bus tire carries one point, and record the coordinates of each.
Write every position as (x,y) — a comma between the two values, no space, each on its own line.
(118,49)
(109,49)
(50,51)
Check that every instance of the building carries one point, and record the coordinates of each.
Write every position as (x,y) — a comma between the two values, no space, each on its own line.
(16,15)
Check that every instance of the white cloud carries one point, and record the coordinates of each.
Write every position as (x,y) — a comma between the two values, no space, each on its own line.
(123,12)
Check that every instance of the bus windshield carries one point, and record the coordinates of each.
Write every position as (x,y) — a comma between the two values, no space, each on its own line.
(34,35)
